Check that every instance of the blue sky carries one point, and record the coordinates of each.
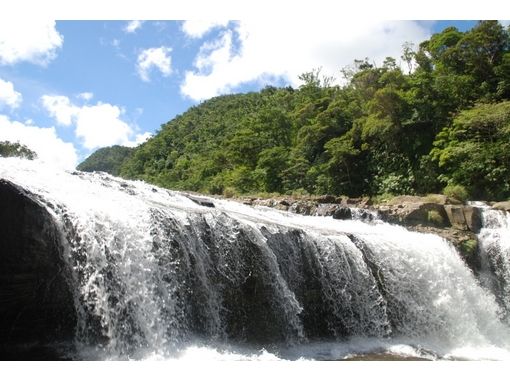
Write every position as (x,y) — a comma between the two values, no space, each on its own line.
(68,88)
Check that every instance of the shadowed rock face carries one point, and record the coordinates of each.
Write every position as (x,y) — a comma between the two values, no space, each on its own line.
(36,303)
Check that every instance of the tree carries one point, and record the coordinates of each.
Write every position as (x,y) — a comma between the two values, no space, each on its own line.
(474,151)
(15,149)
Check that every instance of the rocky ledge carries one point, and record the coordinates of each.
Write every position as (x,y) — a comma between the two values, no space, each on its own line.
(36,302)
(438,214)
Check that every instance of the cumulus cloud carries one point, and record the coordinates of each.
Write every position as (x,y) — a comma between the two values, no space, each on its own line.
(43,141)
(8,96)
(198,28)
(158,58)
(33,40)
(60,108)
(95,125)
(132,26)
(100,125)
(249,51)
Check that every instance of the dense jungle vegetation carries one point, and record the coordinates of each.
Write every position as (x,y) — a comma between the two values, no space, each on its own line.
(436,119)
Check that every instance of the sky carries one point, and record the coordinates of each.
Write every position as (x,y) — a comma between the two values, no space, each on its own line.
(68,88)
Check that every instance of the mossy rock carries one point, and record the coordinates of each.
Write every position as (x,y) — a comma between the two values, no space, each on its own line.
(435,218)
(469,251)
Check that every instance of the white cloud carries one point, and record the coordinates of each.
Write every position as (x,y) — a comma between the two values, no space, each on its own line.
(132,26)
(100,125)
(31,39)
(8,96)
(505,23)
(43,141)
(86,96)
(95,125)
(272,49)
(154,57)
(60,108)
(198,28)
(139,139)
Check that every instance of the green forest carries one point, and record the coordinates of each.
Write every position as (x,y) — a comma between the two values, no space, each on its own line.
(436,119)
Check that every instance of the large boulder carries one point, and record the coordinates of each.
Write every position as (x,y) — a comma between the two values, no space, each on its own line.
(415,212)
(466,218)
(342,213)
(503,206)
(36,302)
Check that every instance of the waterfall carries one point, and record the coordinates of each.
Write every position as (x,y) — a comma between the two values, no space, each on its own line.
(156,274)
(494,240)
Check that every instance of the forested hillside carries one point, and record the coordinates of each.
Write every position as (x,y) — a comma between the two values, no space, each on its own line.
(109,160)
(435,119)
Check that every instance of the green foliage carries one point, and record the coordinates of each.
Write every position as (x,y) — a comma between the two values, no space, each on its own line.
(435,218)
(458,192)
(445,120)
(469,247)
(10,149)
(107,160)
(230,192)
(474,151)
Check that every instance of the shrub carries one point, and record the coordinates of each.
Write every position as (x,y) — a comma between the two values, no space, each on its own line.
(456,191)
(230,192)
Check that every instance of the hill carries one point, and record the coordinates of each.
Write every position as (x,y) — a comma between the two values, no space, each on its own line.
(108,160)
(440,124)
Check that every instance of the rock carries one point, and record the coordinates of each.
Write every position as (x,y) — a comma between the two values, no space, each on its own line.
(413,213)
(342,213)
(358,202)
(326,209)
(36,300)
(303,207)
(473,216)
(456,217)
(503,206)
(282,207)
(464,217)
(201,201)
(327,199)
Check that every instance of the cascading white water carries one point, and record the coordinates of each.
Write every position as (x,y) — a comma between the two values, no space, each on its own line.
(494,240)
(157,274)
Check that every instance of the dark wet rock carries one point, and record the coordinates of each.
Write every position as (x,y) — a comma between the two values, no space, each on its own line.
(201,201)
(342,213)
(36,301)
